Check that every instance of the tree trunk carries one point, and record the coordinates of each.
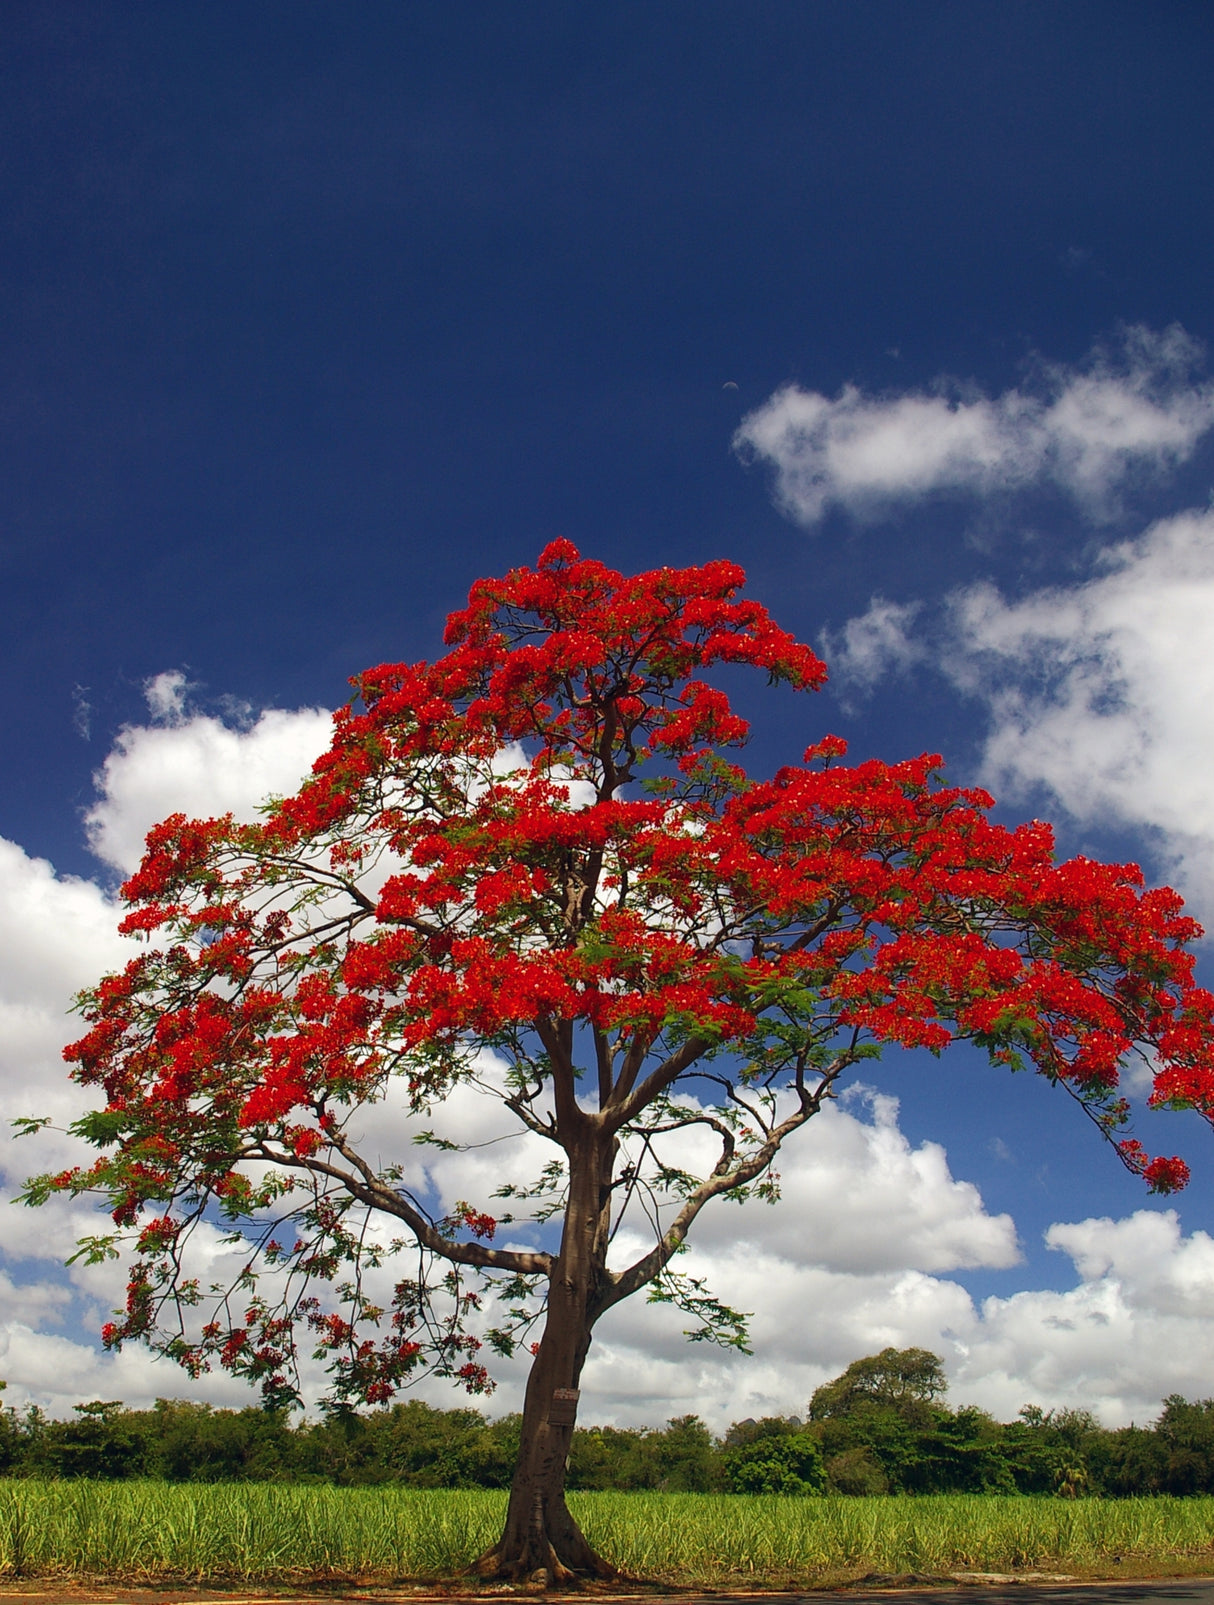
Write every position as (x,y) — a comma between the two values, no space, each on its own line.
(542,1543)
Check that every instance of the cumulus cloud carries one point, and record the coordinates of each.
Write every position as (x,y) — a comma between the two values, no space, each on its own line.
(855,1196)
(1084,429)
(57,1372)
(1134,1327)
(1103,693)
(875,643)
(57,934)
(195,764)
(808,1323)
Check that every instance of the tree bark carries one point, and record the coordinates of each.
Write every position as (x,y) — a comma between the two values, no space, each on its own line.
(542,1542)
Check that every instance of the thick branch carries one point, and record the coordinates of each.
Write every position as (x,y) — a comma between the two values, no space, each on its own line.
(556,1037)
(542,1128)
(634,1058)
(630,1106)
(363,1184)
(602,1054)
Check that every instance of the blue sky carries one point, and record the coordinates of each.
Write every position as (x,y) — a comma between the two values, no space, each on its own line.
(310,316)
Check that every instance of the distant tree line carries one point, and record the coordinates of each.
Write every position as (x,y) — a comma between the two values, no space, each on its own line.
(881,1427)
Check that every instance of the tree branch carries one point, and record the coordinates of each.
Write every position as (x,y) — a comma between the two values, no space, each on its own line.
(316,874)
(570,1116)
(602,1053)
(363,1184)
(724,1179)
(684,1056)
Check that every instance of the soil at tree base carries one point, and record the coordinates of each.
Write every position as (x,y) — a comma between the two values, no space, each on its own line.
(1125,1583)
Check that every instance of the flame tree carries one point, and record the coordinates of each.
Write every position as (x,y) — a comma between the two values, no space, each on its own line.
(533,868)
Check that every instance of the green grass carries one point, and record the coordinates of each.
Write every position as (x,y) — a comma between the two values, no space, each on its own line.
(266,1532)
(700,1539)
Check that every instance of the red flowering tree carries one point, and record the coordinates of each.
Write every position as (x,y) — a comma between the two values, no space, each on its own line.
(533,868)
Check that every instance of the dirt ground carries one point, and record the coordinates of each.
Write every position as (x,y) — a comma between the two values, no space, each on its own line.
(958,1588)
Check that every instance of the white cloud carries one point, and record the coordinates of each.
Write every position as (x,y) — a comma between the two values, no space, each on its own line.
(1103,693)
(38,1301)
(1158,1270)
(1135,1328)
(57,935)
(808,1323)
(197,765)
(167,695)
(874,643)
(1085,429)
(56,1372)
(856,1196)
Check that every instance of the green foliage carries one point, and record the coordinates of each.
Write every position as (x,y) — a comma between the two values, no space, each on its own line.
(750,1430)
(856,1471)
(904,1381)
(716,1322)
(790,1463)
(882,1427)
(681,1457)
(1186,1432)
(1058,1452)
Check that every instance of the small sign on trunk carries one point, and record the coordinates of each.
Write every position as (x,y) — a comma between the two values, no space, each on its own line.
(562,1412)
